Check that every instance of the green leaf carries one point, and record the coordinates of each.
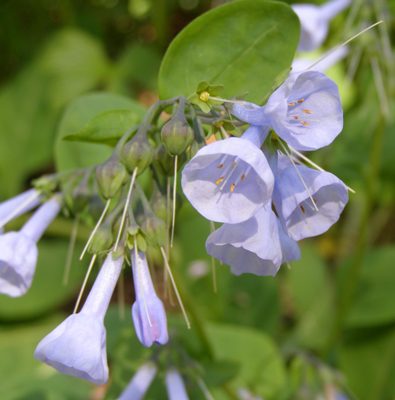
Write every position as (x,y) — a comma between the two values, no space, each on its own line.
(23,377)
(47,291)
(83,155)
(243,45)
(106,128)
(374,299)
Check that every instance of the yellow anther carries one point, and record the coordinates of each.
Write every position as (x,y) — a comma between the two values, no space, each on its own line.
(307,111)
(220,165)
(205,96)
(303,210)
(296,117)
(232,188)
(291,104)
(243,177)
(234,163)
(219,180)
(300,101)
(304,123)
(315,201)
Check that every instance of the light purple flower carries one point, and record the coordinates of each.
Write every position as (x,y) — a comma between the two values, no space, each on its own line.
(175,385)
(148,312)
(314,22)
(77,346)
(140,383)
(18,205)
(305,111)
(289,247)
(300,64)
(229,180)
(18,250)
(296,210)
(251,246)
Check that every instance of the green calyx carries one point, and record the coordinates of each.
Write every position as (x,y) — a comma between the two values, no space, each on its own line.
(164,162)
(274,142)
(102,239)
(137,153)
(202,96)
(110,176)
(221,126)
(177,135)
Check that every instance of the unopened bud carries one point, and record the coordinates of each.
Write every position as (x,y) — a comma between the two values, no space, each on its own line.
(137,153)
(158,203)
(102,239)
(164,162)
(80,197)
(155,230)
(110,176)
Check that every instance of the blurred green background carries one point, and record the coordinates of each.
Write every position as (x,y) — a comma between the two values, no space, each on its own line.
(326,325)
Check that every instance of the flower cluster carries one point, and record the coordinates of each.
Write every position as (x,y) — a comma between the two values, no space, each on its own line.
(252,185)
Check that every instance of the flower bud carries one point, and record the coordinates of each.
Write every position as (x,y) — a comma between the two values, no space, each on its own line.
(176,134)
(80,197)
(164,162)
(137,152)
(155,230)
(102,239)
(158,203)
(110,176)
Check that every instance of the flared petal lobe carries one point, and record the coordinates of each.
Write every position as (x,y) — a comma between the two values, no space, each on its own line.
(229,180)
(298,215)
(289,247)
(148,312)
(140,383)
(175,385)
(251,246)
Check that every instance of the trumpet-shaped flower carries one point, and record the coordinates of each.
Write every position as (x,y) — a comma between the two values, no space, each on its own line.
(19,205)
(18,250)
(305,111)
(148,312)
(251,246)
(140,383)
(230,180)
(297,211)
(175,385)
(77,346)
(314,22)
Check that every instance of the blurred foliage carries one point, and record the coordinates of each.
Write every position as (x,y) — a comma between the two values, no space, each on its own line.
(327,322)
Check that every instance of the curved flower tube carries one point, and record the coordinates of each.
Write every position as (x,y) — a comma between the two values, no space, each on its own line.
(251,246)
(140,383)
(77,346)
(148,312)
(298,215)
(175,385)
(305,111)
(230,180)
(314,22)
(18,250)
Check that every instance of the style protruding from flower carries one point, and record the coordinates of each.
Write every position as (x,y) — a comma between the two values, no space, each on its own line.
(18,250)
(175,385)
(299,217)
(305,111)
(140,383)
(148,312)
(230,180)
(77,346)
(314,22)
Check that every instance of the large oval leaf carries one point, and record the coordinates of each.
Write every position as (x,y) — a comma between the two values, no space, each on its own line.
(243,45)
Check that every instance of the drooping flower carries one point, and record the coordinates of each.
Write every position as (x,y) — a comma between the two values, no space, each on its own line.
(229,180)
(77,346)
(19,205)
(140,382)
(256,246)
(300,215)
(18,250)
(148,312)
(305,111)
(175,385)
(314,22)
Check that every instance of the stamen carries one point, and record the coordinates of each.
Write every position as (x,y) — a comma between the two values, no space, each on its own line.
(175,287)
(140,281)
(125,209)
(70,250)
(220,165)
(300,101)
(303,210)
(232,188)
(95,229)
(296,117)
(304,123)
(291,104)
(230,174)
(234,163)
(219,180)
(84,283)
(315,201)
(307,111)
(243,177)
(174,200)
